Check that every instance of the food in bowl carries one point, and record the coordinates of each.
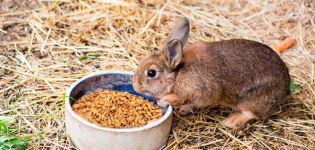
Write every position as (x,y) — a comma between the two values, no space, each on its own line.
(116,109)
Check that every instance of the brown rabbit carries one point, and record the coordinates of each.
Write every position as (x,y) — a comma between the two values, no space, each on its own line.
(245,75)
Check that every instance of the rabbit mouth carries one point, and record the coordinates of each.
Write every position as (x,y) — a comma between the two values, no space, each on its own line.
(138,88)
(147,93)
(142,90)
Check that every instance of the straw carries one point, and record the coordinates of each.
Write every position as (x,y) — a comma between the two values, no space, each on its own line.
(45,46)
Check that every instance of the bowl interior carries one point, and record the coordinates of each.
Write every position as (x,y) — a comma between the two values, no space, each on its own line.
(112,81)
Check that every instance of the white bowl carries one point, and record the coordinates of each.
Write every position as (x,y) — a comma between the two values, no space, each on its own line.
(88,136)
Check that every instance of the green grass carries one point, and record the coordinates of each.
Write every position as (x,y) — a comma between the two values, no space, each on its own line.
(294,88)
(8,138)
(89,56)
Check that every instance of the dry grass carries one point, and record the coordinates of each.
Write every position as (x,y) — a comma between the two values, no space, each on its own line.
(41,43)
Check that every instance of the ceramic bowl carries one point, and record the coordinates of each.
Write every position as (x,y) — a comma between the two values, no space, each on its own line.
(87,136)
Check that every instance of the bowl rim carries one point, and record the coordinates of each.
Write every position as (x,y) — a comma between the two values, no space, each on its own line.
(68,108)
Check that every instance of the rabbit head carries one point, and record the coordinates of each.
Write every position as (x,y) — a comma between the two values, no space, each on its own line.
(155,74)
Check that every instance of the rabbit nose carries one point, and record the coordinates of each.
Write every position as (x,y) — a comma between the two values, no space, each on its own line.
(138,87)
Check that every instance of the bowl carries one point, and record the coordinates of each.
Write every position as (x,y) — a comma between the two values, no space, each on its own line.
(87,136)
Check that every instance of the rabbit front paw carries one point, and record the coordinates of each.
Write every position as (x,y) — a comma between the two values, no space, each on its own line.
(169,99)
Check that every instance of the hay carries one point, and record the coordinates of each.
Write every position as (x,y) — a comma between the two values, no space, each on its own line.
(41,44)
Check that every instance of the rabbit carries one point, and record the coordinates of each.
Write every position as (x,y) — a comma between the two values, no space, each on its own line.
(244,75)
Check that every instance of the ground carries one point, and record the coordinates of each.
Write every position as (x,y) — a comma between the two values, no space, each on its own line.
(47,45)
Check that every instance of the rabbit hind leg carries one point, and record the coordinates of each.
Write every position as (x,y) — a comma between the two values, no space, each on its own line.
(238,119)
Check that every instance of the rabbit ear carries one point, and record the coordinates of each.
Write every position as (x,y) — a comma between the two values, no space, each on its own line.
(173,53)
(180,32)
(175,43)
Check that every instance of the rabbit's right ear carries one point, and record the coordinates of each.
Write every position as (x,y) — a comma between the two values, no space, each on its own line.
(174,44)
(173,53)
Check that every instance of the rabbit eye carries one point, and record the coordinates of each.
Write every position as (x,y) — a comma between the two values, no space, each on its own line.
(151,73)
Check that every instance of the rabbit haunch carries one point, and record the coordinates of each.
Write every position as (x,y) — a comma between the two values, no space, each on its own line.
(245,75)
